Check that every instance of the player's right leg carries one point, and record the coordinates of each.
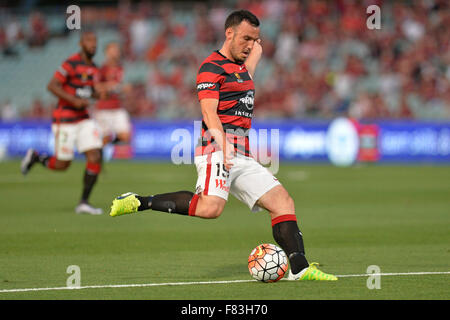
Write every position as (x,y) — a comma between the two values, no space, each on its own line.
(93,168)
(180,202)
(208,203)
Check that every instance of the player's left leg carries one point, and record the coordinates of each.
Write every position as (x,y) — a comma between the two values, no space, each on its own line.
(122,137)
(93,168)
(89,142)
(287,234)
(65,135)
(115,126)
(258,188)
(120,127)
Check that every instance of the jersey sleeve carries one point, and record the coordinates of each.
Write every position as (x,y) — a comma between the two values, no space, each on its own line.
(101,74)
(63,72)
(209,79)
(97,77)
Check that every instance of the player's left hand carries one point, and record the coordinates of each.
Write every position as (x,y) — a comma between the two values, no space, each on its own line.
(254,57)
(257,49)
(101,91)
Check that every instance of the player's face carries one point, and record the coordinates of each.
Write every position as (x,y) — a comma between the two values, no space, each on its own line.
(242,39)
(113,52)
(88,44)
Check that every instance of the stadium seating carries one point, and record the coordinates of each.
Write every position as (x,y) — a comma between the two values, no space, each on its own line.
(320,61)
(25,77)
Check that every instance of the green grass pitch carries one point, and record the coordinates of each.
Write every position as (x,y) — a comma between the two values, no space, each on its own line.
(395,217)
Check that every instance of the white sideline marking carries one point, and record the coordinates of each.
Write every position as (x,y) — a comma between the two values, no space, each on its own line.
(392,274)
(208,282)
(127,285)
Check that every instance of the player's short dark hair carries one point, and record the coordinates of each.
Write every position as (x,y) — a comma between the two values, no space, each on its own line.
(236,17)
(85,32)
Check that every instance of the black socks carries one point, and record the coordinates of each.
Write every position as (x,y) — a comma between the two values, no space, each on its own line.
(43,159)
(290,239)
(88,183)
(174,202)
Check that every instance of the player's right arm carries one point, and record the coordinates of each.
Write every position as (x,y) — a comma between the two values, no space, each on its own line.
(209,80)
(55,87)
(215,128)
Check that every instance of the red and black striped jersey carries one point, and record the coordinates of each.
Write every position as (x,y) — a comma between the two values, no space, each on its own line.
(110,74)
(77,78)
(230,83)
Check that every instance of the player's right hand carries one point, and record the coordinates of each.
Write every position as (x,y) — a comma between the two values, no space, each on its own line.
(80,103)
(228,155)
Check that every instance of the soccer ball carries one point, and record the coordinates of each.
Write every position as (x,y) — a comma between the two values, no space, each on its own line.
(267,263)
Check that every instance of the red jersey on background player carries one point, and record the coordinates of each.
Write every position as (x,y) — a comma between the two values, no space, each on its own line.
(224,165)
(73,84)
(113,119)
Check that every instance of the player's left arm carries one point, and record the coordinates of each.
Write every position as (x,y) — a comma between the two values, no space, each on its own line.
(253,58)
(105,88)
(100,89)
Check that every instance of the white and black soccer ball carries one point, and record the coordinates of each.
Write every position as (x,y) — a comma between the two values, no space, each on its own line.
(267,263)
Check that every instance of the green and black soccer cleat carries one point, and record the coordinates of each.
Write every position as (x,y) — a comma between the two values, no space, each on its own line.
(125,204)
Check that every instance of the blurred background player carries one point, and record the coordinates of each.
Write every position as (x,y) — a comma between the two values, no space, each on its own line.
(113,119)
(73,84)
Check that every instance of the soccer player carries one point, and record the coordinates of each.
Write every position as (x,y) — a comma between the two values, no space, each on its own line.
(73,84)
(110,115)
(224,164)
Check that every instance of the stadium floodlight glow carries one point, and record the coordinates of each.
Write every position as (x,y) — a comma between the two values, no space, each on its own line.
(342,142)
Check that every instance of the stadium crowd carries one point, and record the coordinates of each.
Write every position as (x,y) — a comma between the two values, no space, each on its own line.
(320,59)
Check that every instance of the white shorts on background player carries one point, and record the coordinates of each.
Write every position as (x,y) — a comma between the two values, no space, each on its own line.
(247,179)
(113,121)
(82,136)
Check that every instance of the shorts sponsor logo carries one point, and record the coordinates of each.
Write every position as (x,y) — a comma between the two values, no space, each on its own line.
(221,184)
(66,150)
(96,133)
